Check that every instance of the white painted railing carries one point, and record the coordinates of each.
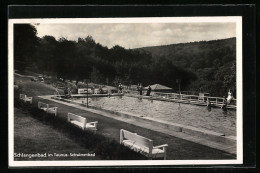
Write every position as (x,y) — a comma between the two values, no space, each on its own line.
(189,98)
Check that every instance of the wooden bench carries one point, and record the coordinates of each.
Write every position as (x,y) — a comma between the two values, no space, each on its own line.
(82,122)
(142,145)
(25,98)
(47,108)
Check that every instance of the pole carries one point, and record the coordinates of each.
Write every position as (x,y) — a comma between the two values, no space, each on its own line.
(179,85)
(179,89)
(87,93)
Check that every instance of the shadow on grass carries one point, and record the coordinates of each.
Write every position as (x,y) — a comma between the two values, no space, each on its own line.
(107,149)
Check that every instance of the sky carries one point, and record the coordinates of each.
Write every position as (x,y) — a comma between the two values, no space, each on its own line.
(136,35)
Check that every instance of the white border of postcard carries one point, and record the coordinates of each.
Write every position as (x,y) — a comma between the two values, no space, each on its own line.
(238,160)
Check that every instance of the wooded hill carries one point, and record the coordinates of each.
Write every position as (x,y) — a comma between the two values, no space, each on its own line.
(207,66)
(213,62)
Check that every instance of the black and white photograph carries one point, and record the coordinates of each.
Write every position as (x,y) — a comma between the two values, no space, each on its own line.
(125,91)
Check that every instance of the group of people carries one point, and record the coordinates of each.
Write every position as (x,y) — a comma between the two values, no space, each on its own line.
(226,101)
(139,89)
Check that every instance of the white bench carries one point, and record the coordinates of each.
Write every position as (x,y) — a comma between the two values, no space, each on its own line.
(47,108)
(82,122)
(25,98)
(97,91)
(142,145)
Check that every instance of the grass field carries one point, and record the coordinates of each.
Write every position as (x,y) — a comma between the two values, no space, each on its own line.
(32,136)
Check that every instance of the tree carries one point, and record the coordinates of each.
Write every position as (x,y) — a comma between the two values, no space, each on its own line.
(66,53)
(96,76)
(85,58)
(230,79)
(25,44)
(46,54)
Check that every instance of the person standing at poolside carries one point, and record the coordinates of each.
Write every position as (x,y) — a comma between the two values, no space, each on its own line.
(208,105)
(149,91)
(229,97)
(141,89)
(138,88)
(69,91)
(120,87)
(224,106)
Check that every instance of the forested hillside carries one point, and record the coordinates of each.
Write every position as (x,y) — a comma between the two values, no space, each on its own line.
(205,66)
(214,63)
(86,59)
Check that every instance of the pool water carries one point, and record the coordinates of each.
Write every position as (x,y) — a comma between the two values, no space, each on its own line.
(186,114)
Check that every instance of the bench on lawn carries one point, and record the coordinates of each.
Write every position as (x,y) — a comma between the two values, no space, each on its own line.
(25,98)
(82,122)
(47,108)
(142,145)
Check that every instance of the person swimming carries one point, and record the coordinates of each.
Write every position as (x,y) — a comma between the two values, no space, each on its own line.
(224,106)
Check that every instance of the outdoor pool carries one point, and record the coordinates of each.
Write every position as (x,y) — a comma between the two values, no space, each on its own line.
(186,114)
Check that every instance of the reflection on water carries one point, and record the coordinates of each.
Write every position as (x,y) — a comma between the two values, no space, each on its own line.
(196,116)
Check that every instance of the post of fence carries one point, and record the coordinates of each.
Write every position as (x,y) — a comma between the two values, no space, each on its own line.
(87,93)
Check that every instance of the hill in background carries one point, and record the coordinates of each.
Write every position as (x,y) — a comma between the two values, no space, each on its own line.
(207,66)
(214,63)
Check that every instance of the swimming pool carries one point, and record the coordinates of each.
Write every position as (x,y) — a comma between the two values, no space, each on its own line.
(186,114)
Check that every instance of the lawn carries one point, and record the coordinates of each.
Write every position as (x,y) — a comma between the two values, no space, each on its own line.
(31,137)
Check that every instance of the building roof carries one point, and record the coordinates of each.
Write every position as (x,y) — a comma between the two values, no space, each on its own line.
(158,87)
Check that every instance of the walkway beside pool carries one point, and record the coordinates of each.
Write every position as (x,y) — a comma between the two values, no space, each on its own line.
(181,145)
